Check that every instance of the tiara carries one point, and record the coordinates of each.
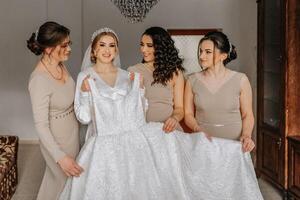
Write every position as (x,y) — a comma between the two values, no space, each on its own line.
(103,30)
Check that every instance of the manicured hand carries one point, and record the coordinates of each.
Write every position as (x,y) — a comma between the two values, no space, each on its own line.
(131,76)
(197,128)
(247,143)
(70,167)
(170,125)
(208,136)
(85,86)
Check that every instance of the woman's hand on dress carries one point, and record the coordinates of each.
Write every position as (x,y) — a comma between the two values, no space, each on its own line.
(208,136)
(70,167)
(170,124)
(131,76)
(197,128)
(85,86)
(247,143)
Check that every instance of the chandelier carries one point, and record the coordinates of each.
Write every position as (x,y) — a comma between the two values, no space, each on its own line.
(134,10)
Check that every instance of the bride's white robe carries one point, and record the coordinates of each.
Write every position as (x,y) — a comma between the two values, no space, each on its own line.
(125,158)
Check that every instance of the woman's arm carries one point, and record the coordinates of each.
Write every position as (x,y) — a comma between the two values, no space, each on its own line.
(189,108)
(247,115)
(178,112)
(40,100)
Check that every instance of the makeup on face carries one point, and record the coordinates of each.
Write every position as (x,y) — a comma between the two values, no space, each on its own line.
(62,51)
(106,49)
(147,48)
(209,55)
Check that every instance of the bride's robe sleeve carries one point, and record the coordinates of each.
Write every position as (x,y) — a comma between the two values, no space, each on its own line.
(82,102)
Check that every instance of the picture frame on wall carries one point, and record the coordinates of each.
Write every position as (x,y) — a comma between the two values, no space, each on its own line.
(186,41)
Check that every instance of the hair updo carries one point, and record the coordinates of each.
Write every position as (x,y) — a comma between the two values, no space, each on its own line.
(50,34)
(222,43)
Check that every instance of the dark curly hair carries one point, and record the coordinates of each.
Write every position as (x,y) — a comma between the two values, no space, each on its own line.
(50,34)
(222,43)
(166,62)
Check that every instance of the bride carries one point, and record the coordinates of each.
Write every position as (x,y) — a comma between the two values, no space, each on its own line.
(125,158)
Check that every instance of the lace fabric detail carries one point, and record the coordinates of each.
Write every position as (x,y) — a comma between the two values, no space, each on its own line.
(129,159)
(119,112)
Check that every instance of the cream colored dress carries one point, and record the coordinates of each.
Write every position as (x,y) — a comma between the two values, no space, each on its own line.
(160,97)
(218,112)
(57,128)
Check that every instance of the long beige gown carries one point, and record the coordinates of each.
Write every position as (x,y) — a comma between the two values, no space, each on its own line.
(218,112)
(57,128)
(160,97)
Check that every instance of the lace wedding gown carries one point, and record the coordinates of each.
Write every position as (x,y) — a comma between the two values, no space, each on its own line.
(125,158)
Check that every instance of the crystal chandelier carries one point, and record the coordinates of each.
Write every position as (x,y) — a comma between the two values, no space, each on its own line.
(134,10)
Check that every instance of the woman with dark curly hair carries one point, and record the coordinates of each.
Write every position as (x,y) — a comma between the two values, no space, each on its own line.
(163,79)
(52,92)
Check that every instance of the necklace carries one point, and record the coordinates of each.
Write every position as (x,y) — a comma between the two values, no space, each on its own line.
(61,76)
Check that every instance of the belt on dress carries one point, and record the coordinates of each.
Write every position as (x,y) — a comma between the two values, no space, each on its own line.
(220,125)
(64,114)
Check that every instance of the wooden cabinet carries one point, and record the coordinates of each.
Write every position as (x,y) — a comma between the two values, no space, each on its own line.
(271,156)
(271,91)
(294,167)
(278,86)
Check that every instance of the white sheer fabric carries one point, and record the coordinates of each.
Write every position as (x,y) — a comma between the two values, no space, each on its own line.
(125,158)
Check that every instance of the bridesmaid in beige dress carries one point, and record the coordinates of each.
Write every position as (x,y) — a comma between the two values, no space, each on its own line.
(218,101)
(162,70)
(52,93)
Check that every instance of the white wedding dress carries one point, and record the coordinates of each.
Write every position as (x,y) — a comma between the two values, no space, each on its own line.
(125,158)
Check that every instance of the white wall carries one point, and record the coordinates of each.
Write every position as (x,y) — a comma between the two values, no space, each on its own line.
(168,14)
(19,19)
(248,47)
